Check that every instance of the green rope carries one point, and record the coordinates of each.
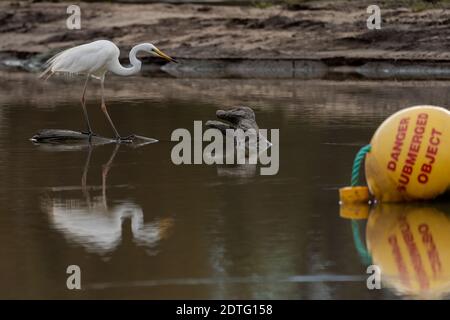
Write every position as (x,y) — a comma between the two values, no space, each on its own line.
(366,259)
(364,255)
(357,164)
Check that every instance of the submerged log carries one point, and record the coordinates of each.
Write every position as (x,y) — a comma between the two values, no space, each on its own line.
(66,136)
(72,138)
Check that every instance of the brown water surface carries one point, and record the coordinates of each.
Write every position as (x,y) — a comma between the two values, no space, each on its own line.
(157,230)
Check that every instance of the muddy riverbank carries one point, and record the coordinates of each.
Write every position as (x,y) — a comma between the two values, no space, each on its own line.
(313,39)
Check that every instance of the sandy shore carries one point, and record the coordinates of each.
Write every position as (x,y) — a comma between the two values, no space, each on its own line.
(314,30)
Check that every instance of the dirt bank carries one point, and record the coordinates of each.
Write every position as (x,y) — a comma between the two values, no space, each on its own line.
(314,30)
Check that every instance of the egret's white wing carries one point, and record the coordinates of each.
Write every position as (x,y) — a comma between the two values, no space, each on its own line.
(84,59)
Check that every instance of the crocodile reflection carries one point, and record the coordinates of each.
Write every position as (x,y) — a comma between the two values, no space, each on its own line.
(87,220)
(411,245)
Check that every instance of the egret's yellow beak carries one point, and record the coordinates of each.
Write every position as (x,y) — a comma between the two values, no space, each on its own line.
(163,55)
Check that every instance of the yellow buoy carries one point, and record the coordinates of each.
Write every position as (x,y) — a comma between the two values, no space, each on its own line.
(356,194)
(354,211)
(411,245)
(410,155)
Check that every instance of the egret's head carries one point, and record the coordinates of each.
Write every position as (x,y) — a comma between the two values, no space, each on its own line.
(154,51)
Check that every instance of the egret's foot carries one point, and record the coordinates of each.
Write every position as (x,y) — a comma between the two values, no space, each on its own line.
(89,133)
(127,139)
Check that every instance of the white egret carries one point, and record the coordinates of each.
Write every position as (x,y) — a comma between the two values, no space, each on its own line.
(94,60)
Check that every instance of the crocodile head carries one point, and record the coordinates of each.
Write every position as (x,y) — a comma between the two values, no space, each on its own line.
(237,118)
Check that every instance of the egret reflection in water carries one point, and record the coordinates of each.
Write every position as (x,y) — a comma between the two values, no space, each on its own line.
(85,218)
(411,245)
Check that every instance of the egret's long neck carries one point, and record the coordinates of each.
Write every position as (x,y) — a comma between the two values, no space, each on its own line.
(136,64)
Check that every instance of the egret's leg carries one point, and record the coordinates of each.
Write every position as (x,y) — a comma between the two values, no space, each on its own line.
(83,103)
(105,171)
(84,178)
(105,111)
